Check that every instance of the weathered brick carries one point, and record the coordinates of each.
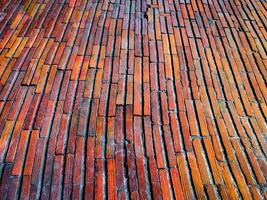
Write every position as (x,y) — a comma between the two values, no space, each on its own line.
(133,99)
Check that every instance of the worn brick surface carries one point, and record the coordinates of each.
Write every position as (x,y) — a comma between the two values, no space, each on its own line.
(133,99)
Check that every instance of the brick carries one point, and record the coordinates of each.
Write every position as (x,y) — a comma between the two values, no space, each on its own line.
(133,99)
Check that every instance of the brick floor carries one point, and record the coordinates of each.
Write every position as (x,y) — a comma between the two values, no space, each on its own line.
(123,99)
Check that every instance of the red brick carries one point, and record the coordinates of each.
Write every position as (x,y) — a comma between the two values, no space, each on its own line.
(133,99)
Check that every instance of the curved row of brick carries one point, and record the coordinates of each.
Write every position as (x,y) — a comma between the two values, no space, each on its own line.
(123,99)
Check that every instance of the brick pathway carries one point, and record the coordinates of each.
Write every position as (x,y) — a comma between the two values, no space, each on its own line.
(162,99)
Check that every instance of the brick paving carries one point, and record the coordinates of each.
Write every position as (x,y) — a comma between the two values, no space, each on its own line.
(123,99)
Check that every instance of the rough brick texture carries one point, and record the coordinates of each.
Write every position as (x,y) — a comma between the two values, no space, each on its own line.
(133,99)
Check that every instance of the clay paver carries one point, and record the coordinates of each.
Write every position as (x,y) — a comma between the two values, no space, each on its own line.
(133,99)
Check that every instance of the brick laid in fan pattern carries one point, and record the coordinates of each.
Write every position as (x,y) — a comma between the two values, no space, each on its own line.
(124,99)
